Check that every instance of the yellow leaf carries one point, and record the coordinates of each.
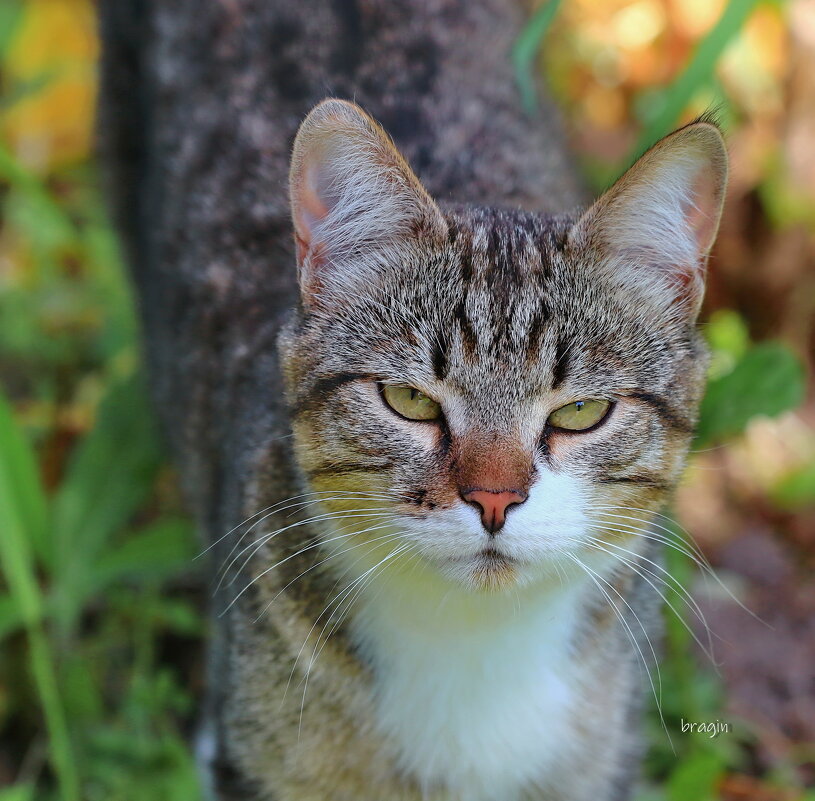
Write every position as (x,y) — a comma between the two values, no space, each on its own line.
(57,44)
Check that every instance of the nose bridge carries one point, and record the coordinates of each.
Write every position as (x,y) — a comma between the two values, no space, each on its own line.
(493,472)
(493,461)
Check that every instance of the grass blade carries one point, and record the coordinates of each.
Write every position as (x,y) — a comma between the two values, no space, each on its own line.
(17,565)
(526,48)
(158,551)
(22,493)
(10,13)
(109,476)
(698,73)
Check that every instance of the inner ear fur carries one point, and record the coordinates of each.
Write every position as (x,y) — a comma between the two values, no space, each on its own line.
(657,223)
(353,195)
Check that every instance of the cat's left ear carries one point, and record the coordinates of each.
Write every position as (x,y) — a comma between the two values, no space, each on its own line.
(654,228)
(354,200)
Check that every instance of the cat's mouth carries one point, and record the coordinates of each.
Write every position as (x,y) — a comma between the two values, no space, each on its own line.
(488,569)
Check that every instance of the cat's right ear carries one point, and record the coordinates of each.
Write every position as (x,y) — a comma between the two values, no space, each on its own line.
(353,199)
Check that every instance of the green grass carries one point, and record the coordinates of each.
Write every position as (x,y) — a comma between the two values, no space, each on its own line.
(23,523)
(526,49)
(98,617)
(86,588)
(665,107)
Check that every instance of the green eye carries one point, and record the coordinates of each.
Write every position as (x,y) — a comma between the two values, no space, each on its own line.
(411,403)
(580,415)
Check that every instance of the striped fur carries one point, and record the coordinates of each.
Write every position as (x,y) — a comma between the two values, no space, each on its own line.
(501,316)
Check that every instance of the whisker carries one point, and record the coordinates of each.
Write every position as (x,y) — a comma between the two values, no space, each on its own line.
(264,538)
(361,587)
(278,508)
(345,572)
(688,597)
(340,494)
(596,577)
(328,558)
(687,539)
(337,597)
(643,533)
(297,505)
(268,570)
(345,593)
(707,650)
(696,556)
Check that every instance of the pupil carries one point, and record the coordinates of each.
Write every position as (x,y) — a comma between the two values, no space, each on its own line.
(579,405)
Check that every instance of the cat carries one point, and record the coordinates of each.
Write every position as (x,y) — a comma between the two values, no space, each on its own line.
(447,404)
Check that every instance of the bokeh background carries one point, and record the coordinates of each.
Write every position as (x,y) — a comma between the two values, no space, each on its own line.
(101,599)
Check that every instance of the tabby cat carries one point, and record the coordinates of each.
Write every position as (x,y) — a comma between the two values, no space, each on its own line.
(451,434)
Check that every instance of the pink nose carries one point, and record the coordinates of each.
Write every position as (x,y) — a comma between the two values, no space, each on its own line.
(493,505)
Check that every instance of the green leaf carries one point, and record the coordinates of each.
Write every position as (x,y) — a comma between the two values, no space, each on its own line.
(10,617)
(650,794)
(21,505)
(157,552)
(19,792)
(22,498)
(108,479)
(766,381)
(179,617)
(52,221)
(158,767)
(697,74)
(10,14)
(696,778)
(22,511)
(526,48)
(727,335)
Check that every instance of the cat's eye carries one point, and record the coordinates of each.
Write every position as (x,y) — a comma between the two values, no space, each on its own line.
(410,403)
(580,415)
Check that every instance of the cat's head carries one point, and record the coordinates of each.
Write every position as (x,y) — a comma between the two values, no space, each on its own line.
(497,392)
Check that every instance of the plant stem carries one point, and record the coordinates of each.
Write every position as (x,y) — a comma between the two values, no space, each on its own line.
(696,74)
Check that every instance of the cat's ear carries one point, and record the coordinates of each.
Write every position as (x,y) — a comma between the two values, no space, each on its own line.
(353,197)
(654,228)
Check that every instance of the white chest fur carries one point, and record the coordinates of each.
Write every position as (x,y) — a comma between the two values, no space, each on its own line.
(475,693)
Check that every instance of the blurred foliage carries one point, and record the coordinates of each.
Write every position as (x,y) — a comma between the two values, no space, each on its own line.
(49,74)
(97,614)
(767,380)
(100,615)
(70,554)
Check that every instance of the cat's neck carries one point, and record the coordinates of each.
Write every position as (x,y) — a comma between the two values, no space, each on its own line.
(473,690)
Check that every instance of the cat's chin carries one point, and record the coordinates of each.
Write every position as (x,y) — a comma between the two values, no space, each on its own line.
(487,571)
(491,572)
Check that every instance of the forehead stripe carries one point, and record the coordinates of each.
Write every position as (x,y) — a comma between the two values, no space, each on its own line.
(440,363)
(561,367)
(537,328)
(468,335)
